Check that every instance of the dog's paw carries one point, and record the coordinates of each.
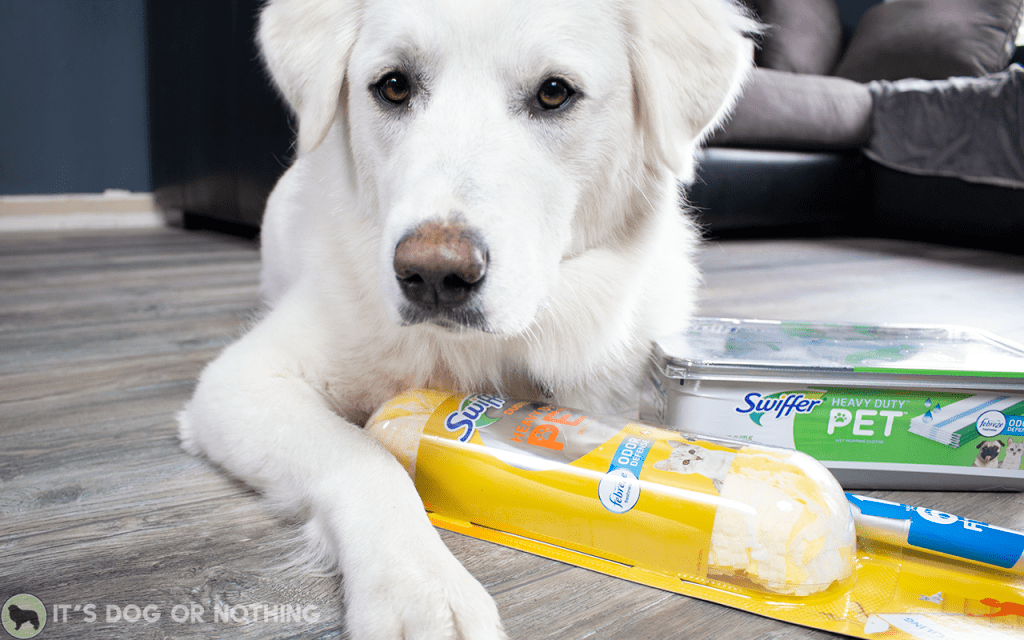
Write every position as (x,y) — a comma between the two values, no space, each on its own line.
(426,595)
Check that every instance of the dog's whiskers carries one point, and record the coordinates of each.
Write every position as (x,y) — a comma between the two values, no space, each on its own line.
(641,191)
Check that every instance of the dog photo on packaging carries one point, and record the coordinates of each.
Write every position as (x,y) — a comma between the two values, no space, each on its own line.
(485,198)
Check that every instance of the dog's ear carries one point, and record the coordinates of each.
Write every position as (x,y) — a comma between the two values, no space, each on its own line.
(690,60)
(305,45)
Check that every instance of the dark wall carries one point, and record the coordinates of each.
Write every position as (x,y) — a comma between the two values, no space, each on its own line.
(72,96)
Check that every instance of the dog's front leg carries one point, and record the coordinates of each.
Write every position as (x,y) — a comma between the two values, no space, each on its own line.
(257,413)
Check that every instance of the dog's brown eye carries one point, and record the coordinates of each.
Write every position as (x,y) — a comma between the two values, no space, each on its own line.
(554,93)
(394,87)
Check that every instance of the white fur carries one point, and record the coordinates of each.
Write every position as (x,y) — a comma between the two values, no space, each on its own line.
(589,255)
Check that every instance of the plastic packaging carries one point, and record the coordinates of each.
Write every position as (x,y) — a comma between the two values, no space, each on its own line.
(695,508)
(763,529)
(882,407)
(937,533)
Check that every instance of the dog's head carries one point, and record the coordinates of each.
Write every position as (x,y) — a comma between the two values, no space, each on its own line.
(989,449)
(491,141)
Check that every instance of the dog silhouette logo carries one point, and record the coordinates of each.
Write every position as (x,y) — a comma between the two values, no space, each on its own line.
(23,616)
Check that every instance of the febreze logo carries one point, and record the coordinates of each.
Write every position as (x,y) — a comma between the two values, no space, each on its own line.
(472,414)
(781,404)
(619,489)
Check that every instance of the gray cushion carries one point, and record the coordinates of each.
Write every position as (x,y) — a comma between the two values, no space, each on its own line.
(932,39)
(803,36)
(969,128)
(791,110)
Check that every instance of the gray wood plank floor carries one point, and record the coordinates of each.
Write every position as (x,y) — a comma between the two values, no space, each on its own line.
(103,333)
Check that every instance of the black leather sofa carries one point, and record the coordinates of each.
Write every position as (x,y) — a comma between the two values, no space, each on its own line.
(219,136)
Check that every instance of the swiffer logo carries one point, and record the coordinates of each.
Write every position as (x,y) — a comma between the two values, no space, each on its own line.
(780,404)
(472,414)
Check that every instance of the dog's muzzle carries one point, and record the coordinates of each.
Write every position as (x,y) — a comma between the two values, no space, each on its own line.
(439,267)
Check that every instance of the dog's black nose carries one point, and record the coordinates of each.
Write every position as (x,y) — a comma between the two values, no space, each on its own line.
(440,265)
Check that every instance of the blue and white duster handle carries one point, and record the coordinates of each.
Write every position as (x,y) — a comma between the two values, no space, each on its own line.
(936,532)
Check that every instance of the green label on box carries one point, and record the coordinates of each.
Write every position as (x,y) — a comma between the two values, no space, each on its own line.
(867,425)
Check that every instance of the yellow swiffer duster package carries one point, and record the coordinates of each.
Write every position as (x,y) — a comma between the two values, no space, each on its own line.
(763,529)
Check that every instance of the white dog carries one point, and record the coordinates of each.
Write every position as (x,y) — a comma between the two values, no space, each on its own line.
(484,198)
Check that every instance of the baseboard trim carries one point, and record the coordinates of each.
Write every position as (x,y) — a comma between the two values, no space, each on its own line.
(113,209)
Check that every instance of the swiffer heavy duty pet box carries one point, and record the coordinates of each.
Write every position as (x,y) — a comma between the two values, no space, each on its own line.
(883,407)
